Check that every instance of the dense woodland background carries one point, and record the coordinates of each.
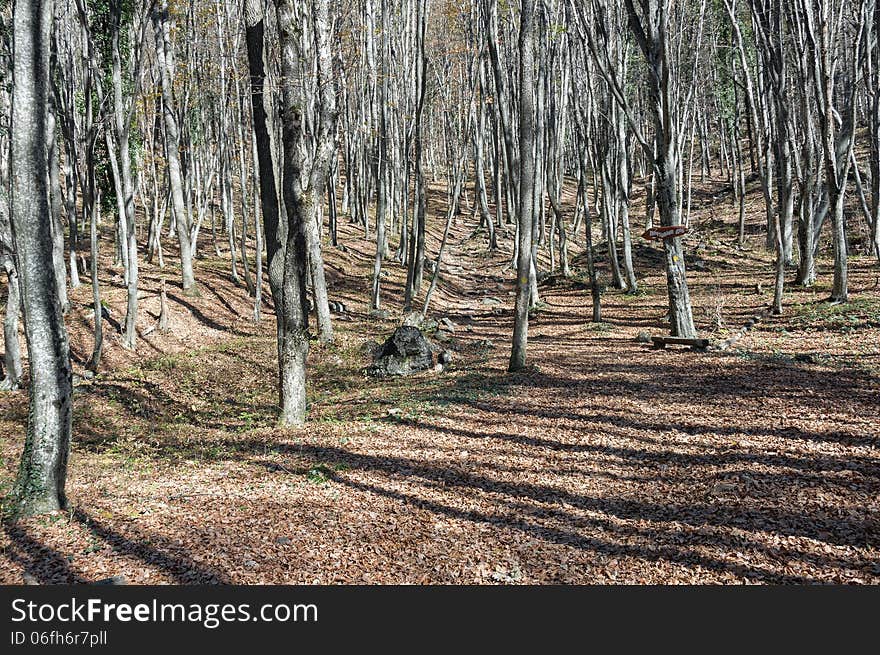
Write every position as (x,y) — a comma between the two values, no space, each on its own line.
(212,213)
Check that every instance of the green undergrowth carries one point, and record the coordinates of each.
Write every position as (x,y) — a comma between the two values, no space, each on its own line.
(216,403)
(846,317)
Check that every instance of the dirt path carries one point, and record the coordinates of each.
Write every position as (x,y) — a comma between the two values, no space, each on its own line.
(605,462)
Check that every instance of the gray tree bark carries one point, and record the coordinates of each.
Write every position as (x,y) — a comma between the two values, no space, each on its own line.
(527,167)
(39,486)
(10,376)
(172,144)
(651,33)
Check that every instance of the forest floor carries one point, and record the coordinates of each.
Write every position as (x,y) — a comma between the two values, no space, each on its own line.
(604,462)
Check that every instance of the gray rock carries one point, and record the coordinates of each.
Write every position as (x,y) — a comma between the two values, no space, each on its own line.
(447,325)
(643,337)
(413,319)
(442,336)
(283,541)
(404,353)
(379,313)
(371,348)
(491,301)
(115,580)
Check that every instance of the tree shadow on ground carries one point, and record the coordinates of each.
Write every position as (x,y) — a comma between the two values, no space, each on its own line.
(47,566)
(666,542)
(154,552)
(42,563)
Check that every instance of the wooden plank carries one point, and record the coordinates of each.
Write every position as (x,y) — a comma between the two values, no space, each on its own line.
(662,342)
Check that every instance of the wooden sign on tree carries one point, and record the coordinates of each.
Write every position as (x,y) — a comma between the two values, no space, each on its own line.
(660,232)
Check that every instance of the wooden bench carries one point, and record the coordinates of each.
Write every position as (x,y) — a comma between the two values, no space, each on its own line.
(697,344)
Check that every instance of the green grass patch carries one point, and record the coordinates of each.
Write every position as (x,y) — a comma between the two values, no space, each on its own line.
(843,317)
(601,328)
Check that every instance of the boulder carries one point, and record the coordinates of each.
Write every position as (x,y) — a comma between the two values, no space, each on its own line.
(370,348)
(406,352)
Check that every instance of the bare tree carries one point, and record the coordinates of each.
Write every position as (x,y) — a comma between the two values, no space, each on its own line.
(164,54)
(39,486)
(526,204)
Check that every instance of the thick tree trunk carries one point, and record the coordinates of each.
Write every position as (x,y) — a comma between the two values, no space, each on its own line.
(286,281)
(39,486)
(303,186)
(651,31)
(680,316)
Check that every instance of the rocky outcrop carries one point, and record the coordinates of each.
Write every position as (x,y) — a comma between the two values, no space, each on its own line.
(404,353)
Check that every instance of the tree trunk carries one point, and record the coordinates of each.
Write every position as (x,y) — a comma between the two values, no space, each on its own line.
(12,352)
(651,31)
(527,167)
(172,145)
(286,276)
(39,486)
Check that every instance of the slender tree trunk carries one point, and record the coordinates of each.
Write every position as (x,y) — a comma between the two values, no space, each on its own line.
(12,352)
(93,205)
(55,205)
(172,145)
(527,169)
